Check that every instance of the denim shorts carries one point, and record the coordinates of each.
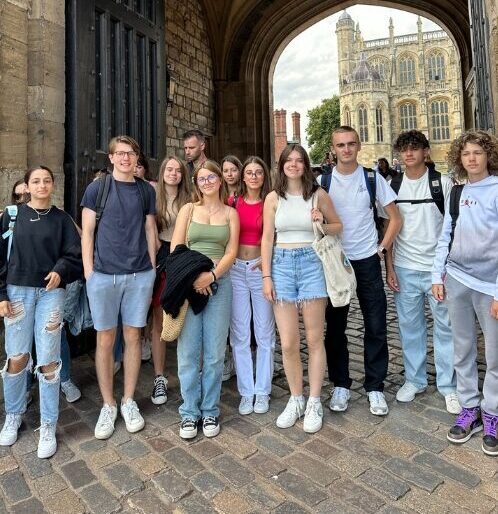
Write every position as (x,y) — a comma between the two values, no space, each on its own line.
(128,295)
(297,275)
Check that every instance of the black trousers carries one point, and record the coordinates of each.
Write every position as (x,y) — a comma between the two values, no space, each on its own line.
(373,305)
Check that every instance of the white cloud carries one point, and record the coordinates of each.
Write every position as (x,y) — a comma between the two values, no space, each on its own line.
(306,71)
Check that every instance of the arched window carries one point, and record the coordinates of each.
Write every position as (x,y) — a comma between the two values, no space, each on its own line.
(379,124)
(363,123)
(436,66)
(407,70)
(408,116)
(347,116)
(380,65)
(440,122)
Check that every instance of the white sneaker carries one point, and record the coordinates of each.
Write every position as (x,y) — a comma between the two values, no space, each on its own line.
(262,404)
(228,368)
(8,435)
(159,393)
(313,417)
(47,445)
(292,412)
(146,349)
(378,404)
(71,391)
(131,415)
(340,399)
(188,428)
(105,425)
(407,392)
(452,404)
(246,405)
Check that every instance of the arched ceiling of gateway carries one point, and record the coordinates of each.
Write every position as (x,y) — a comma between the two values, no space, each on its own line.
(247,33)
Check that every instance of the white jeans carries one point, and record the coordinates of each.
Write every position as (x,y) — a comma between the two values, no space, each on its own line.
(248,297)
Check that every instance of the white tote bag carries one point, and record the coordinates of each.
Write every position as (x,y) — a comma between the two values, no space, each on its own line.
(339,274)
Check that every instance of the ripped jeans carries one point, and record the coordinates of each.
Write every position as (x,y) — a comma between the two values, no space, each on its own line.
(38,313)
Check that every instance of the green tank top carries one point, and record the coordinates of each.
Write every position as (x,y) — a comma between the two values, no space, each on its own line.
(210,240)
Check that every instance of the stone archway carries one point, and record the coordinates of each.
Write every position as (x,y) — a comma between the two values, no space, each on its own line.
(259,30)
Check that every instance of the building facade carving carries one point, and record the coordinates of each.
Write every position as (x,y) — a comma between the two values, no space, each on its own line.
(398,83)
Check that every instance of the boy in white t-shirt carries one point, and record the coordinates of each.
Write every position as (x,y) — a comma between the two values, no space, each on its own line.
(422,195)
(350,192)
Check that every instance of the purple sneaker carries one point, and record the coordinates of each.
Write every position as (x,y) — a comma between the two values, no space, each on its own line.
(467,423)
(490,441)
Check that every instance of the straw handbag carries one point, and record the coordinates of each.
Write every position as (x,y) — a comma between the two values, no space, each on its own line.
(173,326)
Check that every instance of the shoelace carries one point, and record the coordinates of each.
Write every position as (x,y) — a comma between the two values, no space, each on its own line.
(188,423)
(10,422)
(159,387)
(340,394)
(466,417)
(45,431)
(490,423)
(106,415)
(209,420)
(133,411)
(376,397)
(294,406)
(312,410)
(260,400)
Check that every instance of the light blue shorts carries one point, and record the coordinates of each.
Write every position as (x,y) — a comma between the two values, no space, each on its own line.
(297,275)
(128,295)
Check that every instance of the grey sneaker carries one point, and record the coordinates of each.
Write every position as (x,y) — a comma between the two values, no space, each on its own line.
(8,435)
(47,445)
(105,425)
(292,412)
(71,391)
(131,415)
(340,399)
(246,405)
(378,404)
(262,404)
(228,367)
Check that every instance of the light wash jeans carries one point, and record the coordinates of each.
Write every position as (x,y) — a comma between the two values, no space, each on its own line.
(465,305)
(36,310)
(204,339)
(247,287)
(415,287)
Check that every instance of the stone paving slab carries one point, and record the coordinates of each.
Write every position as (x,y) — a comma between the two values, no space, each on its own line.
(357,463)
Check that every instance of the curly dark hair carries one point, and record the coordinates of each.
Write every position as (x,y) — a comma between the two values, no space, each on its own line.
(486,141)
(411,138)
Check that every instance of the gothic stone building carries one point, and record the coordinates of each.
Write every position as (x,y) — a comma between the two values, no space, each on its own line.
(399,83)
(75,72)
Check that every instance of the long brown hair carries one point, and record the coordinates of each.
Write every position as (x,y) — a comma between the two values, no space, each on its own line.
(266,187)
(163,216)
(213,167)
(487,142)
(309,182)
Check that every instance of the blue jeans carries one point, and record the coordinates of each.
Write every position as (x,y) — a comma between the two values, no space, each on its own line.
(38,313)
(204,338)
(415,287)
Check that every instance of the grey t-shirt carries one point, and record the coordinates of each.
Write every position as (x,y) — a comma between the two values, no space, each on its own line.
(121,245)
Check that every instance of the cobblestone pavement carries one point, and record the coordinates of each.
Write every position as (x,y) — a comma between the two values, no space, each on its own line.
(357,463)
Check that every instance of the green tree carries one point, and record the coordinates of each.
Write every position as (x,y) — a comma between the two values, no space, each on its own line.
(323,119)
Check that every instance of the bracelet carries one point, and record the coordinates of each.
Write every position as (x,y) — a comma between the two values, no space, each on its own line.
(266,276)
(214,276)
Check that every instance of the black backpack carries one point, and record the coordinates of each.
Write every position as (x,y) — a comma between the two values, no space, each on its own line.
(434,185)
(455,195)
(103,193)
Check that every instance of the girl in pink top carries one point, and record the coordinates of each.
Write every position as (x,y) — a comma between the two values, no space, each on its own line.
(248,299)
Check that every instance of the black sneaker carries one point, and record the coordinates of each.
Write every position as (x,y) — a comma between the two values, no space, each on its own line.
(467,423)
(159,395)
(210,426)
(188,428)
(490,439)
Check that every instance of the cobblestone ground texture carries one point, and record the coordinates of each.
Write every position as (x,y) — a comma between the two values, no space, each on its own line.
(357,463)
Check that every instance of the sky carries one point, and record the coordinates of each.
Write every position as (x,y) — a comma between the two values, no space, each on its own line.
(306,71)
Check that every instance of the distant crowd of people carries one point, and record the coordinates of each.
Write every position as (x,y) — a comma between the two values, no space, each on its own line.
(227,250)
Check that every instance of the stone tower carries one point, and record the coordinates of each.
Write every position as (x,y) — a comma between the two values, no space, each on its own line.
(345,45)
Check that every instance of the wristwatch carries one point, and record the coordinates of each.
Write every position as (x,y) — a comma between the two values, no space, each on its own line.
(381,250)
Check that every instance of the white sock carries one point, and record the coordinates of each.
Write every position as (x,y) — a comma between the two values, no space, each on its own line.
(314,399)
(299,398)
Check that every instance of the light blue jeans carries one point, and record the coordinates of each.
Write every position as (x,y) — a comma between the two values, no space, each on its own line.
(204,339)
(415,287)
(37,313)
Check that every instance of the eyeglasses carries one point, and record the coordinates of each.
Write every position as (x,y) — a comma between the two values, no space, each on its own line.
(131,154)
(254,174)
(210,179)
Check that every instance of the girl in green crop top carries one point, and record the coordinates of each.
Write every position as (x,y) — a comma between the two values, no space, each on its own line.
(212,228)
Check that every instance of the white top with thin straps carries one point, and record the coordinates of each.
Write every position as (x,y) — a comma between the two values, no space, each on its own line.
(293,220)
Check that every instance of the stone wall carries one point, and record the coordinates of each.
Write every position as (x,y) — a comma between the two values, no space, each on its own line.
(32,103)
(190,61)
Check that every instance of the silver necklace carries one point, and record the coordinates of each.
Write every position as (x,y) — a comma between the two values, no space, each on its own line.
(39,212)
